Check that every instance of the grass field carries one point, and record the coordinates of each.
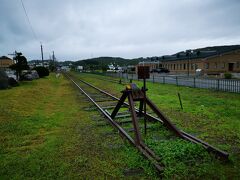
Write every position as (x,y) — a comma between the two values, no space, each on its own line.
(210,115)
(49,131)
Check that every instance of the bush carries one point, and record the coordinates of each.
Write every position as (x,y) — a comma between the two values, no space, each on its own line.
(3,80)
(228,76)
(12,82)
(42,71)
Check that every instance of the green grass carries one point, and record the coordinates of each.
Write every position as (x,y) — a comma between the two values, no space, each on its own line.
(210,115)
(49,131)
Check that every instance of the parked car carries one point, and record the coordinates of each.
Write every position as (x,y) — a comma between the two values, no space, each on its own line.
(160,70)
(29,75)
(11,74)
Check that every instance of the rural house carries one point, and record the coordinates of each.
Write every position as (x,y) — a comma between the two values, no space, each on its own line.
(5,62)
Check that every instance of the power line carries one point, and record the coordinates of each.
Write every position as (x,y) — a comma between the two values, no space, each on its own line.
(29,22)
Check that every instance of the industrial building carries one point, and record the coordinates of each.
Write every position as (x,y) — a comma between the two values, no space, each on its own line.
(215,60)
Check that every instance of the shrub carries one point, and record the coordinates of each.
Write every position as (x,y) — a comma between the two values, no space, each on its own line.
(42,71)
(228,76)
(3,80)
(12,82)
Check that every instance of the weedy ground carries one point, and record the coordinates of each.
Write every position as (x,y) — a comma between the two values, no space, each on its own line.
(49,130)
(212,116)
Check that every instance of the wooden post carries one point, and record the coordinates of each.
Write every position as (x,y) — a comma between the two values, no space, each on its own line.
(145,108)
(134,121)
(180,101)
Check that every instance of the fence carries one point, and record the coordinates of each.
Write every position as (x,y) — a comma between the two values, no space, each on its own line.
(229,85)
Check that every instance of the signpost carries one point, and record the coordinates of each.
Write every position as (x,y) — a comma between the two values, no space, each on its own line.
(144,73)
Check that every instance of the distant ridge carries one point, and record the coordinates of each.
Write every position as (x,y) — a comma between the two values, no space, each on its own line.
(192,54)
(200,52)
(95,63)
(104,61)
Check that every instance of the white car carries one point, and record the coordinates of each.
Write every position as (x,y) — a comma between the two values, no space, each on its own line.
(11,74)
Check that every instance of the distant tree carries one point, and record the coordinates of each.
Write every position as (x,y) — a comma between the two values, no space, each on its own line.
(42,71)
(188,53)
(104,68)
(198,53)
(52,66)
(21,64)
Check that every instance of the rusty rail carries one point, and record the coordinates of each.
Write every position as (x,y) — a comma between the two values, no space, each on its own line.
(189,137)
(148,153)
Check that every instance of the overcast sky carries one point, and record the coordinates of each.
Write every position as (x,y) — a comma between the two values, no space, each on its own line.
(78,29)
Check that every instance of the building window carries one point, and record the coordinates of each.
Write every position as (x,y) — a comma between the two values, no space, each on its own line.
(206,65)
(184,66)
(223,65)
(238,64)
(192,66)
(174,66)
(196,66)
(215,65)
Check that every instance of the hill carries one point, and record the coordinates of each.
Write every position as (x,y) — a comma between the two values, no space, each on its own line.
(103,62)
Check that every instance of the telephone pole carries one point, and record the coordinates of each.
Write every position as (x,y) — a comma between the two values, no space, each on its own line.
(13,54)
(53,58)
(42,53)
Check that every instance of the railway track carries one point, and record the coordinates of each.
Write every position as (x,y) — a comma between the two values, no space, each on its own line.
(123,122)
(114,80)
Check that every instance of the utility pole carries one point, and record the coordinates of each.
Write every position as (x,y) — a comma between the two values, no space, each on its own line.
(14,56)
(42,53)
(53,58)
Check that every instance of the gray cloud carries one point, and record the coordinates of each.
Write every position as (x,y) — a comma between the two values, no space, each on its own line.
(78,29)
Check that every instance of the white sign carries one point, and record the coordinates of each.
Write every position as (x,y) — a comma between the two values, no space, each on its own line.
(80,67)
